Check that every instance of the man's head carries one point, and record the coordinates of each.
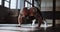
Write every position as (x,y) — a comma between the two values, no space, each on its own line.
(24,11)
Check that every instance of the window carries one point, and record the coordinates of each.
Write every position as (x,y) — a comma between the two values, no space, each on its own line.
(35,3)
(13,4)
(29,1)
(7,0)
(18,4)
(0,2)
(28,4)
(6,4)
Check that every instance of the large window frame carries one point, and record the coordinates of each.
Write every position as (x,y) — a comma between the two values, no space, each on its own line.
(10,4)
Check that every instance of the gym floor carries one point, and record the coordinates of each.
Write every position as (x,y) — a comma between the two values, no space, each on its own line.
(28,28)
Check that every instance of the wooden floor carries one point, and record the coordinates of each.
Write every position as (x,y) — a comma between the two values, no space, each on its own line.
(28,28)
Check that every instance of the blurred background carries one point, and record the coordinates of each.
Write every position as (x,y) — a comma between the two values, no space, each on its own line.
(9,10)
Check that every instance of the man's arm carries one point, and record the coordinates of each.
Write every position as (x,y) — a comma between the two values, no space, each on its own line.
(39,18)
(20,18)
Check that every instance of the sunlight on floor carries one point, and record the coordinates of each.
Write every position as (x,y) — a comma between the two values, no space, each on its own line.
(25,27)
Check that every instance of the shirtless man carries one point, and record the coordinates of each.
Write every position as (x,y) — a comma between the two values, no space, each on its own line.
(30,14)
